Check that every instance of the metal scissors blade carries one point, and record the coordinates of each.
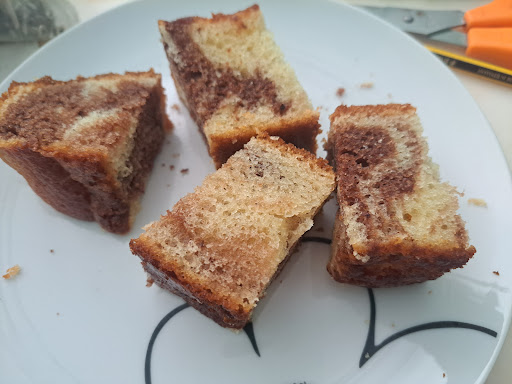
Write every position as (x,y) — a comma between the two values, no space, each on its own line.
(419,21)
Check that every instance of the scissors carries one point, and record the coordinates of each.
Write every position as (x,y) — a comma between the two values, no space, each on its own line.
(486,31)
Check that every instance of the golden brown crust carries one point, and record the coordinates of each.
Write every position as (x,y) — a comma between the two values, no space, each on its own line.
(299,132)
(361,111)
(393,274)
(220,309)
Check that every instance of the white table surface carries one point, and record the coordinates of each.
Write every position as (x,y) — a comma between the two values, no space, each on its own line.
(494,99)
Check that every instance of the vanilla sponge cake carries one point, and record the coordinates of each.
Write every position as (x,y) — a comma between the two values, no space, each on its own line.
(397,223)
(233,79)
(221,246)
(86,146)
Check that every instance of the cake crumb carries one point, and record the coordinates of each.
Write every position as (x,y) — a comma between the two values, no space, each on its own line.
(58,314)
(392,325)
(176,107)
(163,164)
(168,185)
(340,92)
(149,282)
(496,273)
(175,155)
(52,251)
(477,202)
(366,321)
(171,167)
(320,229)
(324,140)
(11,272)
(184,171)
(429,292)
(366,85)
(390,96)
(167,141)
(444,374)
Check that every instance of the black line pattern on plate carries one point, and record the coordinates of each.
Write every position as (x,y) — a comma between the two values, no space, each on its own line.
(169,316)
(249,331)
(371,349)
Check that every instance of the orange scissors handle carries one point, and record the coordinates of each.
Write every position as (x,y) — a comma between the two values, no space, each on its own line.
(496,14)
(493,45)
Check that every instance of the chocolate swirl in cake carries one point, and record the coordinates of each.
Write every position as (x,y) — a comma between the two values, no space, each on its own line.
(196,73)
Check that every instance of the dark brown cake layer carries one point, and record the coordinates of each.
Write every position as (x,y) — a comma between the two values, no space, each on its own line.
(51,182)
(168,280)
(148,139)
(384,275)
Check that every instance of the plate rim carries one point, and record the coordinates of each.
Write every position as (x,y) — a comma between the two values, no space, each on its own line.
(138,3)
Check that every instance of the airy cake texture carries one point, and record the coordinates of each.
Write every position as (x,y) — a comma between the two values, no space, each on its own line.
(221,246)
(86,146)
(397,223)
(235,83)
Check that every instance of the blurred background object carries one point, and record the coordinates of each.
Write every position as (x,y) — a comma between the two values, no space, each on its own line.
(34,20)
(25,25)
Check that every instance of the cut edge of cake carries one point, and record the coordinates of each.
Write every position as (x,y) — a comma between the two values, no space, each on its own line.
(232,307)
(237,95)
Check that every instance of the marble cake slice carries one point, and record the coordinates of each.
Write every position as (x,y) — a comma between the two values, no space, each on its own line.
(233,79)
(397,222)
(222,245)
(86,146)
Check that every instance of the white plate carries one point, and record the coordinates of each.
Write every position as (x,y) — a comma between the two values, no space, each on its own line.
(83,313)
